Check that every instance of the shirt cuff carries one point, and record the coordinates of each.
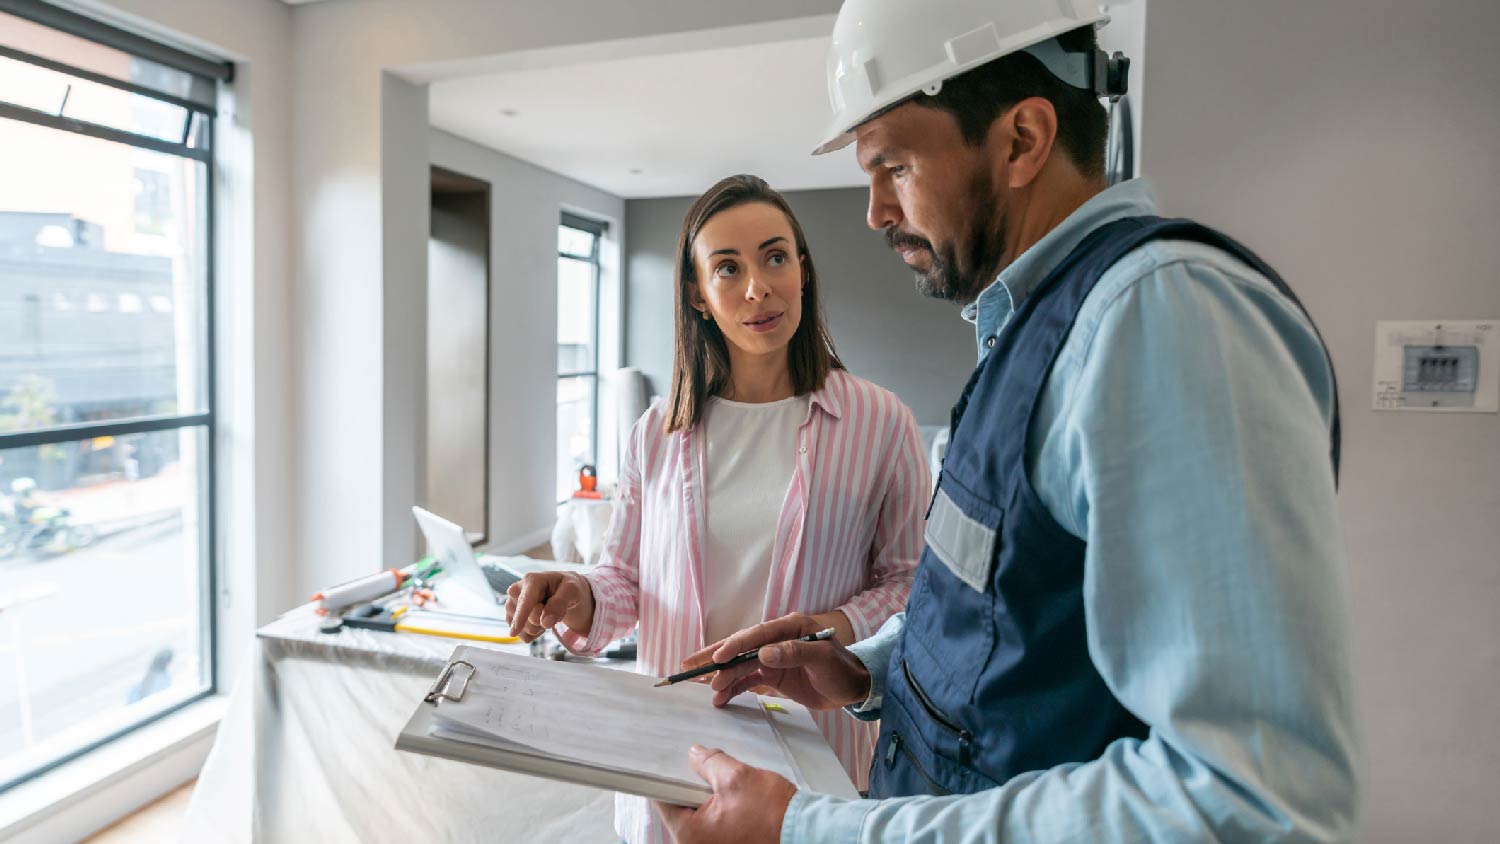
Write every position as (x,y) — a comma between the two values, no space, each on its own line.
(820,817)
(577,644)
(875,654)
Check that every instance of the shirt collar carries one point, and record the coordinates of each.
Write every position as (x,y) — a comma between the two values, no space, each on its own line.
(992,310)
(826,397)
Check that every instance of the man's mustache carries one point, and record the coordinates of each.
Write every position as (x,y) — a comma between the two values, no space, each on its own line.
(897,239)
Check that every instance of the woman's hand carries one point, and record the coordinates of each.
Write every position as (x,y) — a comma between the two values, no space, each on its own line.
(542,599)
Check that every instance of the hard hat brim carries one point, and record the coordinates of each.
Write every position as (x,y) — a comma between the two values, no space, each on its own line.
(835,144)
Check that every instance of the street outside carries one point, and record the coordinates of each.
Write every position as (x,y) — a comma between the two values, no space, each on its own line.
(84,642)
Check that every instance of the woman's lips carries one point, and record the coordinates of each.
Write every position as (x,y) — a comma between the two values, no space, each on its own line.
(763,324)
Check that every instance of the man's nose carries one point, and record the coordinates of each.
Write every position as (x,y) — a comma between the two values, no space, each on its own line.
(884,211)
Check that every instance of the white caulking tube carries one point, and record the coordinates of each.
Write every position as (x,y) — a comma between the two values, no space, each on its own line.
(348,594)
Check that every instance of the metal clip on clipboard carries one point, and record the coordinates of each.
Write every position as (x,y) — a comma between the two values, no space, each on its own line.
(440,691)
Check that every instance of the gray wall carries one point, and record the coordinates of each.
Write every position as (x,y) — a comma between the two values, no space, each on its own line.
(1353,144)
(918,348)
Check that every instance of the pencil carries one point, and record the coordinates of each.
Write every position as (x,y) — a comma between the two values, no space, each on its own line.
(736,660)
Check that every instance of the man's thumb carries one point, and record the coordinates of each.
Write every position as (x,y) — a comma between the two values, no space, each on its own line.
(792,654)
(714,765)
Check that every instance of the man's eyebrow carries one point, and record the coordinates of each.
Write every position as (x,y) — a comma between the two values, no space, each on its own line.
(874,161)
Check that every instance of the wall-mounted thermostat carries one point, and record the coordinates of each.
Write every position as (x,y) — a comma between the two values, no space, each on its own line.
(1438,366)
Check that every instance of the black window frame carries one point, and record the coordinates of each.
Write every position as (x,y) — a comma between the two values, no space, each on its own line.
(201,114)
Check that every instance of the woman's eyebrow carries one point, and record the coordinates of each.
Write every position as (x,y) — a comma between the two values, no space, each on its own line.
(729,250)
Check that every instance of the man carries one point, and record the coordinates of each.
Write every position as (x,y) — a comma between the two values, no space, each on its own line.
(1128,623)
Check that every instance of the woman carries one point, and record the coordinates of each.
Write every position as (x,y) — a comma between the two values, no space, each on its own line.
(770,482)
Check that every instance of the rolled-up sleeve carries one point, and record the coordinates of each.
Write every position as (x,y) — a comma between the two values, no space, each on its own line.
(615,581)
(875,654)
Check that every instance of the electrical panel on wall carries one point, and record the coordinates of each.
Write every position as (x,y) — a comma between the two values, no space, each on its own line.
(1438,366)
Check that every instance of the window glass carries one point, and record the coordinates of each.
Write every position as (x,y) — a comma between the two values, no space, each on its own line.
(101,546)
(577,354)
(74,228)
(105,417)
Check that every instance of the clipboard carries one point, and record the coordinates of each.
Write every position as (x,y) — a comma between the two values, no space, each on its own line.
(801,740)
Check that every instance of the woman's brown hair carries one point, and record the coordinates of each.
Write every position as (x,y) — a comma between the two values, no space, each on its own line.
(700,364)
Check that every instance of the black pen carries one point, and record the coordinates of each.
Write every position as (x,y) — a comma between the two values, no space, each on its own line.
(744,657)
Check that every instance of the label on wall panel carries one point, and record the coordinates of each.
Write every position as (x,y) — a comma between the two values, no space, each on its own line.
(1438,366)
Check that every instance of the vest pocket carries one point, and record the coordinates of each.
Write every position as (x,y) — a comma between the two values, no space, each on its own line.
(897,746)
(964,737)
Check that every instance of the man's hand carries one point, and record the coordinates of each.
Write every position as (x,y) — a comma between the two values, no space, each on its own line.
(542,599)
(818,675)
(747,805)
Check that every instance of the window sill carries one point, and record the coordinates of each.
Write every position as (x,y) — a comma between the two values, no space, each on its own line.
(85,795)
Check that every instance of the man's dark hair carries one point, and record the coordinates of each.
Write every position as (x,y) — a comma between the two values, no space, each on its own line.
(976,98)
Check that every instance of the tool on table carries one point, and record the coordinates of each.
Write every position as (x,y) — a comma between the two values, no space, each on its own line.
(588,483)
(375,617)
(737,660)
(368,588)
(622,648)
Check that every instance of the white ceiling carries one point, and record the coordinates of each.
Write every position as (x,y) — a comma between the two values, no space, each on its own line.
(683,120)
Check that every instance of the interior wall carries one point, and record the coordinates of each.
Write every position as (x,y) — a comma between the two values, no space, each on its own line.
(526,205)
(869,298)
(1353,144)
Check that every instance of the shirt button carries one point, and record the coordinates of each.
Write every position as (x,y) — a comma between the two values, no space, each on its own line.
(989,342)
(802,450)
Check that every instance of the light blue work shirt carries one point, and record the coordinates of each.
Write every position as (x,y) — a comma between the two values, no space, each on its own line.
(1184,434)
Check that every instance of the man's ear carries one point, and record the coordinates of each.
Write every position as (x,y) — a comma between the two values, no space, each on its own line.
(1029,130)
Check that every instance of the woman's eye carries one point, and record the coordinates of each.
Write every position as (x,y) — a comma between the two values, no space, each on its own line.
(726,269)
(777,259)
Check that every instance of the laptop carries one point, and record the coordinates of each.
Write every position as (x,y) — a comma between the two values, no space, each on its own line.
(467,587)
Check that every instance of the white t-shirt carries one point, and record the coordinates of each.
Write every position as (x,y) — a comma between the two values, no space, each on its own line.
(751,453)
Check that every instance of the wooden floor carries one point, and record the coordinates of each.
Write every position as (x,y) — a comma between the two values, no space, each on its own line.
(156,823)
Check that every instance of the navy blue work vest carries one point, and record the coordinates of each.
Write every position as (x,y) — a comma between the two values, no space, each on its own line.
(991,675)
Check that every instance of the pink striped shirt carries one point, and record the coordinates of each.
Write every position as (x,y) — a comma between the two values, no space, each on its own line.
(848,538)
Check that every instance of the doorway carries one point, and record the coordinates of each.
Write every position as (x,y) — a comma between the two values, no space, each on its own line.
(458,352)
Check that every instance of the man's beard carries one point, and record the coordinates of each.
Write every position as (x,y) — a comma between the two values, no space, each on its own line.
(961,279)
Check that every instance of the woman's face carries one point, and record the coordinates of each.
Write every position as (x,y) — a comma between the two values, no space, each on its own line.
(749,277)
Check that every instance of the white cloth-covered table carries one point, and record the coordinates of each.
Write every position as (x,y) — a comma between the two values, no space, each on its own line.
(306,753)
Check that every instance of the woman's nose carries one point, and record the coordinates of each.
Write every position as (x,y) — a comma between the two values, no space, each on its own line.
(755,289)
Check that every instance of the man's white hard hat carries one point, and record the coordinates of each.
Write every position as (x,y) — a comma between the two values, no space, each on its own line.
(884,51)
